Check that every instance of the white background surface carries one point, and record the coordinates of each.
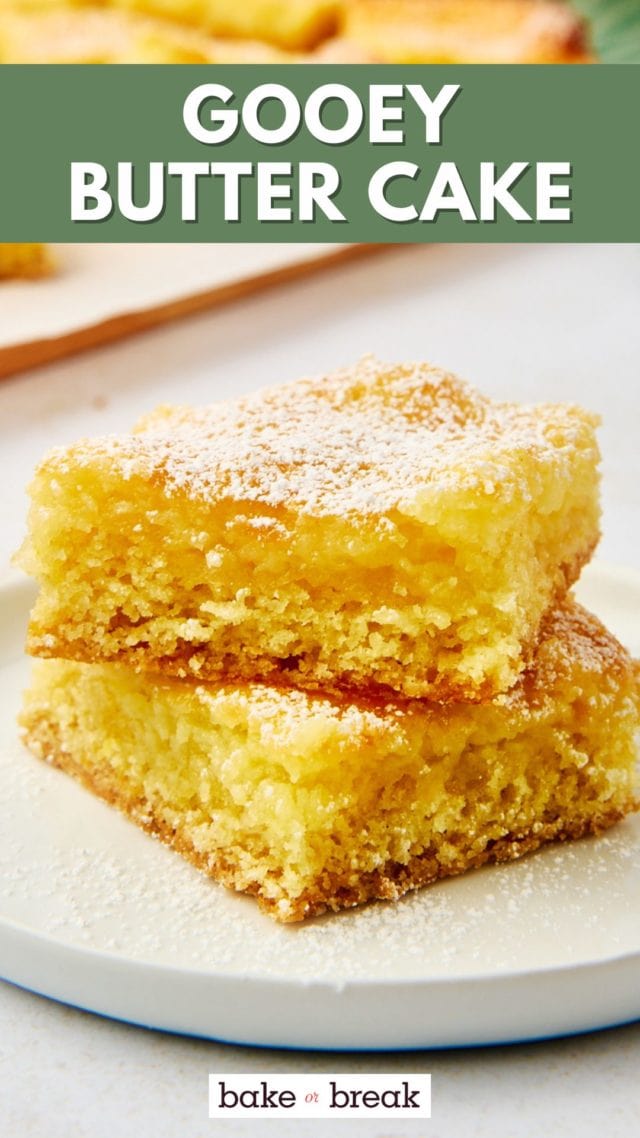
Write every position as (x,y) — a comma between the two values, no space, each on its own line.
(539,322)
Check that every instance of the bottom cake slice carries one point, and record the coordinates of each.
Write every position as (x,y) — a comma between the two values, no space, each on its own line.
(314,802)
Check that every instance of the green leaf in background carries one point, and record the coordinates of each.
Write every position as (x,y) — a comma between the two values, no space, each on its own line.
(615,28)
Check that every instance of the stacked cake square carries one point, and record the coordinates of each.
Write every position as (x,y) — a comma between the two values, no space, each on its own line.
(321,640)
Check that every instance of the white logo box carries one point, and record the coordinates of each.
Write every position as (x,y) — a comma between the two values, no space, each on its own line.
(319,1096)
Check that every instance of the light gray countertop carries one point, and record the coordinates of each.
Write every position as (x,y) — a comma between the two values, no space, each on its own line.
(525,323)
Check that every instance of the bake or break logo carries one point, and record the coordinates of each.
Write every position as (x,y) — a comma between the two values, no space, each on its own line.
(319,1096)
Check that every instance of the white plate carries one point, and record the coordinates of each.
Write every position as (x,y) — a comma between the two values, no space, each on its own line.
(97,914)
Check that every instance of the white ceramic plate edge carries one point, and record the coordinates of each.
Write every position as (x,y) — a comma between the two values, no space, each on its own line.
(358,1015)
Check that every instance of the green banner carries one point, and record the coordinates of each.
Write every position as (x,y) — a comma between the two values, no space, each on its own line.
(319,153)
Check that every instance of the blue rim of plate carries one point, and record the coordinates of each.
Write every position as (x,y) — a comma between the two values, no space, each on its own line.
(523,1041)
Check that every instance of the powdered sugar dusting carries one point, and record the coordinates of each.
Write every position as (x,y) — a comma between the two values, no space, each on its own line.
(363,441)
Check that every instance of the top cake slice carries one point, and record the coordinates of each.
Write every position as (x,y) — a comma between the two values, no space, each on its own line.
(384,527)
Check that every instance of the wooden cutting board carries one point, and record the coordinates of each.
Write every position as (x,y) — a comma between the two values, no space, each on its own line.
(101,293)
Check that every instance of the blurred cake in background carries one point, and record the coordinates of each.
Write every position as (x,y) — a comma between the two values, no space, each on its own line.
(24,260)
(281,31)
(272,31)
